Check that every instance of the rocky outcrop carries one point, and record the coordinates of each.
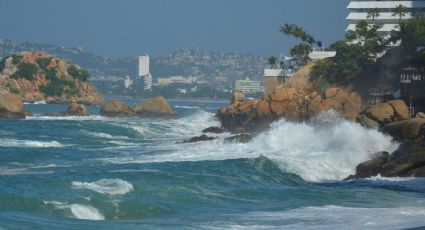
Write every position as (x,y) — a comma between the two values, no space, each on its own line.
(214,129)
(11,107)
(115,108)
(296,104)
(75,109)
(406,162)
(37,76)
(203,137)
(154,107)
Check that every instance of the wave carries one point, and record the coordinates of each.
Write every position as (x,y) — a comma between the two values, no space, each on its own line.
(36,103)
(327,149)
(5,142)
(71,118)
(106,186)
(105,135)
(328,217)
(79,211)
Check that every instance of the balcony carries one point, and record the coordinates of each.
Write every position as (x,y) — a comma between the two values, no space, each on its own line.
(385,27)
(385,4)
(385,16)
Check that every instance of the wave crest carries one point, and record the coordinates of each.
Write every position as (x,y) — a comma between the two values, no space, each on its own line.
(106,186)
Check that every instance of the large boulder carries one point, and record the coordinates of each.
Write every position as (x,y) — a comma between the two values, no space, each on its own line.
(11,107)
(401,111)
(367,122)
(382,113)
(155,107)
(115,108)
(75,109)
(412,129)
(405,162)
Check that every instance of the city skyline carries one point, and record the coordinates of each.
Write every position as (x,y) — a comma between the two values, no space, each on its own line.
(131,28)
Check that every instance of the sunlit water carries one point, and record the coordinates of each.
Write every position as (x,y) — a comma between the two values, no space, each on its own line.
(132,173)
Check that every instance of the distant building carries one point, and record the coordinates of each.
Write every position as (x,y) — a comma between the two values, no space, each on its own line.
(359,11)
(412,88)
(104,84)
(248,86)
(143,67)
(176,80)
(144,72)
(128,82)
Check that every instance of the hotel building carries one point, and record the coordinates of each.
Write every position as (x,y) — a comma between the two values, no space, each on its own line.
(248,86)
(359,11)
(143,70)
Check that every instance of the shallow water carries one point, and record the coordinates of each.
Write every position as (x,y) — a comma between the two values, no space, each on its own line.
(131,173)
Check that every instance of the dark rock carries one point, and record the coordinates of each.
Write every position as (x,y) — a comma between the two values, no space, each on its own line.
(372,167)
(412,129)
(404,162)
(29,113)
(199,138)
(214,129)
(241,138)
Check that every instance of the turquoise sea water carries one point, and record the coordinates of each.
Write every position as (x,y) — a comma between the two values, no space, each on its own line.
(133,173)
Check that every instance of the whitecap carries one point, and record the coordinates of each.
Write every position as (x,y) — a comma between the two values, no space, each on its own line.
(106,186)
(5,142)
(79,211)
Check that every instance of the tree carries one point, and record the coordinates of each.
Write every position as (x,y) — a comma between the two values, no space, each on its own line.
(25,70)
(288,30)
(400,11)
(299,33)
(373,13)
(78,73)
(301,52)
(418,15)
(272,60)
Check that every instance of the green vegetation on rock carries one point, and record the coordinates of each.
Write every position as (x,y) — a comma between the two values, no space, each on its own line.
(78,73)
(25,70)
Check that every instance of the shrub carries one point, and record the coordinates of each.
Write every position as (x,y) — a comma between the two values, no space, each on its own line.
(58,87)
(14,90)
(25,70)
(16,59)
(43,62)
(77,73)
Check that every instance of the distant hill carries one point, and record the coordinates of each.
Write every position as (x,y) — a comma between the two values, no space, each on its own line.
(185,62)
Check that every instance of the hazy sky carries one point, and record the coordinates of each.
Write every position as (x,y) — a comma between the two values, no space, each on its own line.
(119,28)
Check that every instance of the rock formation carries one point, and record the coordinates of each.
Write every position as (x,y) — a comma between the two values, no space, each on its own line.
(11,107)
(155,107)
(75,109)
(295,104)
(36,76)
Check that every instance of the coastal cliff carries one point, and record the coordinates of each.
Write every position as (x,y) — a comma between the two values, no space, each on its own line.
(36,76)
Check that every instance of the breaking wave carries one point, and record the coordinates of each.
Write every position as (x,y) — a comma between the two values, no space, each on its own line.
(5,142)
(106,186)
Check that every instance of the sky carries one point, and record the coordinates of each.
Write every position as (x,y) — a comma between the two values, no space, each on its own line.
(121,28)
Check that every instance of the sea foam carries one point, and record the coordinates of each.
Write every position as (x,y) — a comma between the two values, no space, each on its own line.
(106,186)
(328,148)
(5,142)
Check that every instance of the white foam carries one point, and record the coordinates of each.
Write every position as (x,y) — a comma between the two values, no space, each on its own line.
(79,211)
(85,212)
(329,217)
(105,135)
(328,149)
(5,142)
(106,186)
(71,118)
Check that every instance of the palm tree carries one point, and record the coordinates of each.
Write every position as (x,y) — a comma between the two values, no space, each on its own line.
(400,11)
(299,33)
(288,30)
(373,13)
(272,60)
(417,15)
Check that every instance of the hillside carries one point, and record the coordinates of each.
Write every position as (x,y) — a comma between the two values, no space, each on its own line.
(37,76)
(186,62)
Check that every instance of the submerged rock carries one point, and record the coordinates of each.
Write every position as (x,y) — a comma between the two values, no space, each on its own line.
(11,107)
(75,109)
(115,108)
(214,129)
(199,138)
(241,138)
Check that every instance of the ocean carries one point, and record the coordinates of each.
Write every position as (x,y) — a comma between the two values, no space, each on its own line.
(135,173)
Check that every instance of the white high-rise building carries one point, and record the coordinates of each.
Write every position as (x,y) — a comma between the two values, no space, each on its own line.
(359,11)
(144,72)
(143,65)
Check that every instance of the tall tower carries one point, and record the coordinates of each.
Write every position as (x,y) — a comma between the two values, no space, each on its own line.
(143,65)
(143,70)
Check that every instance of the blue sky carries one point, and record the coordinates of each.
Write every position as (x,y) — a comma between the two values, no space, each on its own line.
(120,28)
